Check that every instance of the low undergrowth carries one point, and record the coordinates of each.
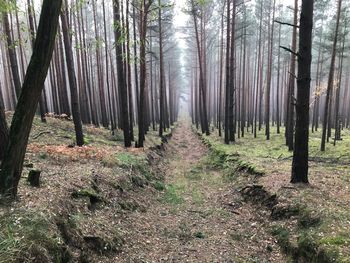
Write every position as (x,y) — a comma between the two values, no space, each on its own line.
(30,237)
(230,161)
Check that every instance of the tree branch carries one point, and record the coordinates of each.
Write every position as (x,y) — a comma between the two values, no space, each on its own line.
(291,51)
(285,23)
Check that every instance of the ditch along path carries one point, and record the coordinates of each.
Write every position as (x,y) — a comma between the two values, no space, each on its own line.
(200,217)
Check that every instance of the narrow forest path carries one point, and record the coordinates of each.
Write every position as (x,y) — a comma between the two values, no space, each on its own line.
(199,217)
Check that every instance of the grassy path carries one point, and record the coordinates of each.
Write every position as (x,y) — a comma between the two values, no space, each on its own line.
(199,217)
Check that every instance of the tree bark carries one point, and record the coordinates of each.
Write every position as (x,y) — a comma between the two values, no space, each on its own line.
(301,146)
(4,132)
(291,86)
(12,55)
(11,167)
(123,92)
(202,85)
(161,72)
(330,80)
(72,79)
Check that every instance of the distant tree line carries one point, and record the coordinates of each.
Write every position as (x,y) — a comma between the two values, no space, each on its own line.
(248,71)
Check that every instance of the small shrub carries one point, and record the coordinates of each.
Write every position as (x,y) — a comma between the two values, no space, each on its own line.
(308,219)
(199,235)
(282,236)
(307,247)
(43,155)
(158,185)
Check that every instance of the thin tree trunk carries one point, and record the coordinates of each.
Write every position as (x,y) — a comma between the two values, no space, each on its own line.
(72,79)
(12,55)
(205,124)
(161,72)
(269,73)
(291,85)
(330,80)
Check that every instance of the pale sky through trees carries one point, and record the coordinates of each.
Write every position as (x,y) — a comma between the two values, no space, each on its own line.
(181,18)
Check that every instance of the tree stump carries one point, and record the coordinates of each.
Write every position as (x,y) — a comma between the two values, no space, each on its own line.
(34,178)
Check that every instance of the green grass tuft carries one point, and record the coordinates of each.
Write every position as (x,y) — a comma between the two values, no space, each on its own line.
(282,236)
(158,185)
(336,240)
(27,235)
(173,195)
(199,235)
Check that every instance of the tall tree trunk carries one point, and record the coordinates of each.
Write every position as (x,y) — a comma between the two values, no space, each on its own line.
(108,86)
(161,72)
(12,54)
(11,167)
(259,72)
(245,87)
(227,88)
(201,73)
(42,105)
(135,60)
(233,102)
(72,78)
(123,92)
(278,83)
(301,146)
(337,134)
(269,73)
(100,78)
(291,85)
(330,80)
(128,59)
(221,74)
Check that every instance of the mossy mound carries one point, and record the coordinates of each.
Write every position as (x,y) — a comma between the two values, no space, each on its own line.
(30,237)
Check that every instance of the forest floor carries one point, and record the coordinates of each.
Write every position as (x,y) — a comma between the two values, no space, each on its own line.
(192,199)
(200,217)
(311,220)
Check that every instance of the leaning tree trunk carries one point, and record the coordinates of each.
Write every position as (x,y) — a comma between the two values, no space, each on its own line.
(72,79)
(42,105)
(301,146)
(11,167)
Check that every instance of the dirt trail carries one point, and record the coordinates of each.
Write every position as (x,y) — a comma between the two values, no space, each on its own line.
(198,218)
